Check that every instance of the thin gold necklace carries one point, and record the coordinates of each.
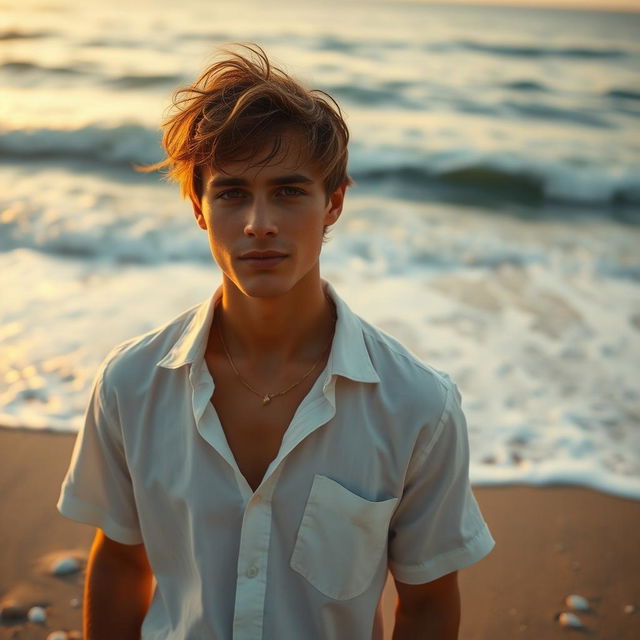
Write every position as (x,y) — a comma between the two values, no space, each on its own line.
(267,397)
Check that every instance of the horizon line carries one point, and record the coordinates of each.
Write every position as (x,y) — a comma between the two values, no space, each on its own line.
(619,6)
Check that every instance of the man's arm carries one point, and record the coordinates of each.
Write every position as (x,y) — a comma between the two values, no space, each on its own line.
(430,610)
(118,590)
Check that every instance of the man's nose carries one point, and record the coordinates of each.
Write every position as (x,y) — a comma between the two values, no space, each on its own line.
(261,220)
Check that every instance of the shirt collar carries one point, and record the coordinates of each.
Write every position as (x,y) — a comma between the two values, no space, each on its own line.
(192,343)
(349,355)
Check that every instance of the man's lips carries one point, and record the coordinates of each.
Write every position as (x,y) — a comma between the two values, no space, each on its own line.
(262,255)
(262,259)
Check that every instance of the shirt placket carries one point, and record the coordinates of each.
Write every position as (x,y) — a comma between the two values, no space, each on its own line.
(253,558)
(253,555)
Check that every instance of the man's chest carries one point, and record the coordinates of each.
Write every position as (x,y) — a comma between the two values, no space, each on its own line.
(254,430)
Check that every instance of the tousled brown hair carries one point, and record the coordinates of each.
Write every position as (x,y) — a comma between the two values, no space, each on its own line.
(241,106)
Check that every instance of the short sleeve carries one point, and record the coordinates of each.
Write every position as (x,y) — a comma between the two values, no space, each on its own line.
(97,488)
(437,527)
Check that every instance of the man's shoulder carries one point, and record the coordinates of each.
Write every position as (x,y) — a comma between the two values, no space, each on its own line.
(400,368)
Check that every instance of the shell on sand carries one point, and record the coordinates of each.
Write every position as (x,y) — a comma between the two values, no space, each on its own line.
(65,566)
(63,562)
(57,635)
(570,620)
(37,615)
(577,603)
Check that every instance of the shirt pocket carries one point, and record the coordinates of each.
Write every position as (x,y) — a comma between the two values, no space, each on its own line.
(341,539)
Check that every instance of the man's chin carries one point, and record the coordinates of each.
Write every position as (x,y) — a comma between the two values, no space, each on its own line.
(263,290)
(269,285)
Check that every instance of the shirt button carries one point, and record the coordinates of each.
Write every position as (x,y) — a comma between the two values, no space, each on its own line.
(252,572)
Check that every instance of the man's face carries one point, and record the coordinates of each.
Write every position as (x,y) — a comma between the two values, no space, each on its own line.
(265,224)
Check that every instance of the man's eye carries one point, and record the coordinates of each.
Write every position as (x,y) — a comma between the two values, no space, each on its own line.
(230,194)
(291,191)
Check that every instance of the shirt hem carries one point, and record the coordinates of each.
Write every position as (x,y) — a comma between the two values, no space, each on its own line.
(75,509)
(477,548)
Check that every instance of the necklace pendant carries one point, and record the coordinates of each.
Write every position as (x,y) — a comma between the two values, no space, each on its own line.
(266,399)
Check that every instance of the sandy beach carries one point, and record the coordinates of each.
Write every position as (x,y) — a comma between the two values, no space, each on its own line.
(551,542)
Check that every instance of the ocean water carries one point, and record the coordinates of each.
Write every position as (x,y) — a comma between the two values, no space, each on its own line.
(494,227)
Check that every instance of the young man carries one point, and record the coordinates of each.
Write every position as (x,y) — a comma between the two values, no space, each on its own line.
(267,456)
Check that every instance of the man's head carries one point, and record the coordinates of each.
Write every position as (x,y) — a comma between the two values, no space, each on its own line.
(266,222)
(239,110)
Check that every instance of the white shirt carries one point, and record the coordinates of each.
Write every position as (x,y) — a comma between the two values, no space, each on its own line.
(372,474)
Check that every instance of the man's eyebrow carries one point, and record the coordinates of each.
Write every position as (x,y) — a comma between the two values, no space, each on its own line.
(230,181)
(227,181)
(294,178)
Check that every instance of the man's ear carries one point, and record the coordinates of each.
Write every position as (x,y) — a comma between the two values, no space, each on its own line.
(197,212)
(334,206)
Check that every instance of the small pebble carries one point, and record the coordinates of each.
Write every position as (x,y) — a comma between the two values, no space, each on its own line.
(65,566)
(37,615)
(577,603)
(75,603)
(10,611)
(630,608)
(570,620)
(57,635)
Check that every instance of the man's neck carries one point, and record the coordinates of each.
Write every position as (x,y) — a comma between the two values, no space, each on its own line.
(268,333)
